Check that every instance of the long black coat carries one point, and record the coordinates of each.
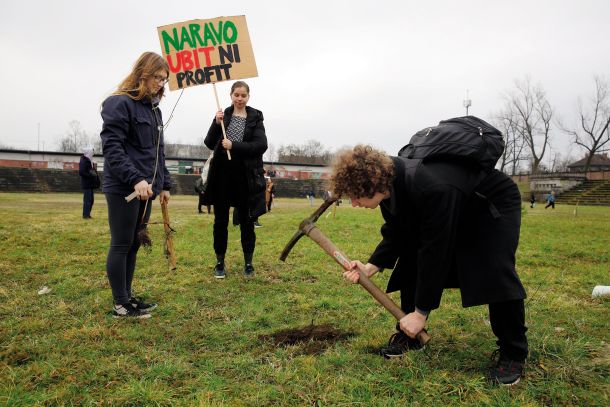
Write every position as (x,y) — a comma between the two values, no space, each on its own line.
(453,226)
(249,152)
(88,176)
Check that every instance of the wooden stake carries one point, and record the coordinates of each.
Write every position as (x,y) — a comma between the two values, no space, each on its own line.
(169,240)
(222,123)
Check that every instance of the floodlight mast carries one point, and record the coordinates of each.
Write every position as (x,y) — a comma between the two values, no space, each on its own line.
(467,102)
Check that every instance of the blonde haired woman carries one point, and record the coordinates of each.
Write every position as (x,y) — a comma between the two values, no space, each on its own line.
(134,159)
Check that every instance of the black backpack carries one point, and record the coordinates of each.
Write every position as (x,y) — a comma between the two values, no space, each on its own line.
(468,138)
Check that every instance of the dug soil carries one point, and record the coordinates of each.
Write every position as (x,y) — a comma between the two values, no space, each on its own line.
(311,339)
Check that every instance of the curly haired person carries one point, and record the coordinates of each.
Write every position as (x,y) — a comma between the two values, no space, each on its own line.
(447,224)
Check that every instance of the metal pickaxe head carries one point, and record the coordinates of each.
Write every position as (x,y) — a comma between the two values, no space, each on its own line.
(305,226)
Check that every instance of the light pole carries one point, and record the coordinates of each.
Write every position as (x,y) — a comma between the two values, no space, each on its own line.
(38,136)
(467,102)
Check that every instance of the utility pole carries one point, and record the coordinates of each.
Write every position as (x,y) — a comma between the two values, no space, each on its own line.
(38,136)
(467,102)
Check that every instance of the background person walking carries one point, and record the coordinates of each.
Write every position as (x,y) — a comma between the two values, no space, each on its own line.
(550,200)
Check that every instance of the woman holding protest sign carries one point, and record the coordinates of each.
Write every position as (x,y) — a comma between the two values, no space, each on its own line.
(237,180)
(132,140)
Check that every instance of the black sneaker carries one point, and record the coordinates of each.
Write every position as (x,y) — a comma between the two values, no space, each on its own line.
(249,270)
(257,225)
(141,305)
(507,372)
(128,311)
(219,270)
(398,345)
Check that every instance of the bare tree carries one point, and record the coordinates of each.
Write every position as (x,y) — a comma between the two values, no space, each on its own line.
(560,162)
(593,134)
(514,143)
(270,154)
(172,150)
(312,152)
(76,139)
(533,114)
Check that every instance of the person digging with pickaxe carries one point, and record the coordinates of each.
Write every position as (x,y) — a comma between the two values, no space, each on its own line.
(447,224)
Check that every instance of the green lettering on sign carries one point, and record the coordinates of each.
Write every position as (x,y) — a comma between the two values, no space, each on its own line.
(229,25)
(171,40)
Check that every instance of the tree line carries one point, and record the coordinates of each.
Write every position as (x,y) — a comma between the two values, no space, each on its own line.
(527,120)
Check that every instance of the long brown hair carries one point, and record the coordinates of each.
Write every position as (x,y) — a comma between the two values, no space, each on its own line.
(134,85)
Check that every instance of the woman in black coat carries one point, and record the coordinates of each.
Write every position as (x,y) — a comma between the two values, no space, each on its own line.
(134,159)
(238,182)
(447,224)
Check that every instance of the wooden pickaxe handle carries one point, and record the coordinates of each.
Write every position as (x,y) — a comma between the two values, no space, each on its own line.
(169,240)
(317,236)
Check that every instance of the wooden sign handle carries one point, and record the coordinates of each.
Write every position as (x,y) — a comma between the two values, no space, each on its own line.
(222,123)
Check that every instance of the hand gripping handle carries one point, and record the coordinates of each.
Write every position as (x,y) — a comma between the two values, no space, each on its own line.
(317,236)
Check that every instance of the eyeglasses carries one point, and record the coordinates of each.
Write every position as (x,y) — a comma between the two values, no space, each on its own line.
(160,79)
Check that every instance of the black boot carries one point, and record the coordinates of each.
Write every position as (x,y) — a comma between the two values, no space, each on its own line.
(248,268)
(219,269)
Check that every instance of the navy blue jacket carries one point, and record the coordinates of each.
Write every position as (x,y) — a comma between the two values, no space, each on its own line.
(88,176)
(129,141)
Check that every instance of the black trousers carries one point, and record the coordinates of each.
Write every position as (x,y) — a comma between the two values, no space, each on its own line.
(507,323)
(88,199)
(124,221)
(200,204)
(221,233)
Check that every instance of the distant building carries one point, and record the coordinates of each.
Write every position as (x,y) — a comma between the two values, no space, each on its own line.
(599,162)
(175,164)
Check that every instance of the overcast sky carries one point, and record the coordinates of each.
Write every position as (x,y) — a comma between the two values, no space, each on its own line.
(341,72)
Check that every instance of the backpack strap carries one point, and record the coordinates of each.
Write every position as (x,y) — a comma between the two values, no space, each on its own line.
(492,208)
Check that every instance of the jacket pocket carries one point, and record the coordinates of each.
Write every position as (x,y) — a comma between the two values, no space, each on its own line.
(144,131)
(256,180)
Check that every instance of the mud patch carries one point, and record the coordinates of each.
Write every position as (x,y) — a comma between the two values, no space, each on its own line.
(312,339)
(16,357)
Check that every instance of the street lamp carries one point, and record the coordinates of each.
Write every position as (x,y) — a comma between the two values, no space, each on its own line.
(467,102)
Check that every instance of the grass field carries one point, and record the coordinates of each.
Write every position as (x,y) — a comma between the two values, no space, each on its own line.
(203,347)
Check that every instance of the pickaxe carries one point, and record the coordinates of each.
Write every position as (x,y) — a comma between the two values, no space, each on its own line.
(308,228)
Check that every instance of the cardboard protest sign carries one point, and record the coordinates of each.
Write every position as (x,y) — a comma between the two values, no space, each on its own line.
(207,51)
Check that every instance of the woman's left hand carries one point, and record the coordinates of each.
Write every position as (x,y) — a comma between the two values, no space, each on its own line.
(412,323)
(164,197)
(227,144)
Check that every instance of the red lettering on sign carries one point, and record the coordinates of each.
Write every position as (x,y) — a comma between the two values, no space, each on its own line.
(206,51)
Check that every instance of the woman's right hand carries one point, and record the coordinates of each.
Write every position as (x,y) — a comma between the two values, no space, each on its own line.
(144,190)
(219,116)
(353,275)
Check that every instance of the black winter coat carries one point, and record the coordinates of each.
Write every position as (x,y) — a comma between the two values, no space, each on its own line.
(453,226)
(88,176)
(129,139)
(248,152)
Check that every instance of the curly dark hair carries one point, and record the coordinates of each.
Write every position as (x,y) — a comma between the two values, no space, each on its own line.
(362,172)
